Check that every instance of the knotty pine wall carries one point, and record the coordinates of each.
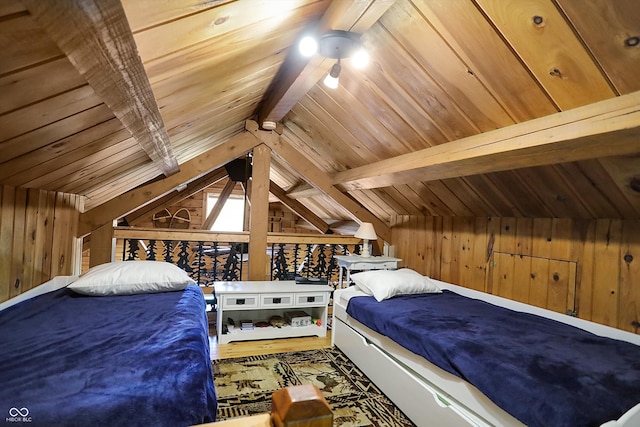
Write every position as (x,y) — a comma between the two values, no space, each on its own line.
(37,242)
(591,267)
(281,219)
(195,204)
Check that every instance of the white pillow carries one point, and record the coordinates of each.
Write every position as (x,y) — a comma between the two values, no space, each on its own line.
(131,277)
(384,284)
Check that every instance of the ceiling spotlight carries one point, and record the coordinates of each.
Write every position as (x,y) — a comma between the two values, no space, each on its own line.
(331,80)
(360,59)
(308,46)
(336,44)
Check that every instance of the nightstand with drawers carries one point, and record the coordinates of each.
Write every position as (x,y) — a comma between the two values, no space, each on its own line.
(357,262)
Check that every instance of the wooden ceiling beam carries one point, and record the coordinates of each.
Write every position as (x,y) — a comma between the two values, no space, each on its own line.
(177,196)
(303,190)
(191,170)
(345,227)
(299,74)
(603,129)
(299,209)
(316,177)
(217,208)
(95,36)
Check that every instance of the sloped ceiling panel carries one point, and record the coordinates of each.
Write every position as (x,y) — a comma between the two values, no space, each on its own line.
(441,70)
(445,70)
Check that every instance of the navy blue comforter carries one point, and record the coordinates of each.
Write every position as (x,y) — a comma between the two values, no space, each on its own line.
(544,373)
(72,360)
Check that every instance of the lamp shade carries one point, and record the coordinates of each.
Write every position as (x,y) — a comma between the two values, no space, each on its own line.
(366,231)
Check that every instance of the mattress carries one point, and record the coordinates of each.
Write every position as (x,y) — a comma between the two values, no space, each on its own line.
(68,360)
(541,371)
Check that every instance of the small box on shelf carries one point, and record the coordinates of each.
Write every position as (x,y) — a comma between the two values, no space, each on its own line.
(297,318)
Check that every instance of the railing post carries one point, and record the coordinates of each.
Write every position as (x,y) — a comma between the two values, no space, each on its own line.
(199,261)
(151,250)
(102,246)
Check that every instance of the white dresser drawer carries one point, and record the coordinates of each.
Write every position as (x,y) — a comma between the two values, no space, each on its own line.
(311,299)
(388,265)
(276,300)
(240,301)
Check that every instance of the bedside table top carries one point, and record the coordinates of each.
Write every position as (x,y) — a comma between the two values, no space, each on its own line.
(271,287)
(347,260)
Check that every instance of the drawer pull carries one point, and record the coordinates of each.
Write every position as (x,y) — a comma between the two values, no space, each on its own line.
(311,299)
(277,300)
(240,301)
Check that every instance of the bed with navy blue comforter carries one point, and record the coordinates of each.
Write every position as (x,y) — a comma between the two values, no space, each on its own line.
(73,360)
(543,372)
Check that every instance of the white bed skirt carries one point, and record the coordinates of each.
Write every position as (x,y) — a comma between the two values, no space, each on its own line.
(428,395)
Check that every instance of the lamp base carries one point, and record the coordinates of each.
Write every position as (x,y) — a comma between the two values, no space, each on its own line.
(365,249)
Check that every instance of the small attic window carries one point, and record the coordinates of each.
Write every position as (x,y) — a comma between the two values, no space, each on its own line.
(231,217)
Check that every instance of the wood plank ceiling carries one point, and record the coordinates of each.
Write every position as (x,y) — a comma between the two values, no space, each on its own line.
(441,71)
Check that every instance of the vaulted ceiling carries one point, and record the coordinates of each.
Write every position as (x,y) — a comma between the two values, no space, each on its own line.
(468,107)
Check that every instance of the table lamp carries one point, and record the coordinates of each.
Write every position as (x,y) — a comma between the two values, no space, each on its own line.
(366,233)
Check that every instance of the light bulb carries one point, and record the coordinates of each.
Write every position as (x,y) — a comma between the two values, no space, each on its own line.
(331,82)
(308,46)
(360,59)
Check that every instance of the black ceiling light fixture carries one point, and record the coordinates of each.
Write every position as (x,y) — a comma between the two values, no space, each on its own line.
(336,44)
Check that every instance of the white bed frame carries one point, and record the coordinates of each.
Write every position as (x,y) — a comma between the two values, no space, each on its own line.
(54,284)
(428,395)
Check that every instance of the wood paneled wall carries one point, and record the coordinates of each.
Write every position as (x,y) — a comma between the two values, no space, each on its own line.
(37,242)
(195,204)
(591,267)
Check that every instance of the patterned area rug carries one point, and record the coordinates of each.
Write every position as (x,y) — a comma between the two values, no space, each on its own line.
(244,386)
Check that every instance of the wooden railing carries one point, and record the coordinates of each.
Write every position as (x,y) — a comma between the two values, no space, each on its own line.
(210,256)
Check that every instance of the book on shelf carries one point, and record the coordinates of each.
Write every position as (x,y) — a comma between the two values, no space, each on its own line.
(246,325)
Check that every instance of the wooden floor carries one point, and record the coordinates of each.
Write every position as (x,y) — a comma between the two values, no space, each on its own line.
(252,348)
